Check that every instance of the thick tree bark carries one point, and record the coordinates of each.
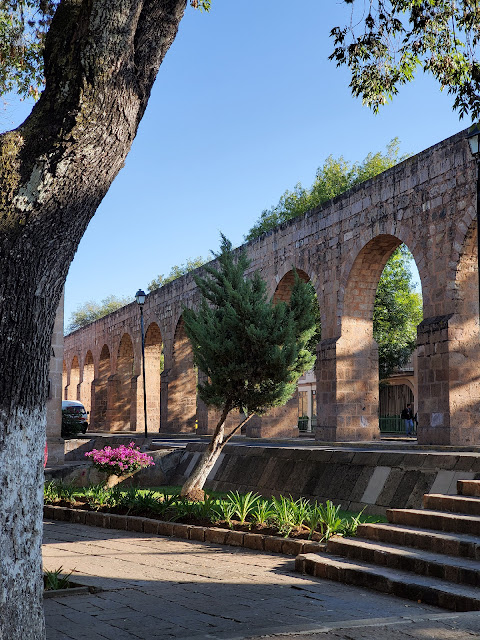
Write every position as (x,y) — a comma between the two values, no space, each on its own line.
(101,59)
(211,454)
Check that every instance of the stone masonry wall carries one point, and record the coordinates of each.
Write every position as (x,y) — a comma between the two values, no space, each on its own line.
(427,202)
(355,479)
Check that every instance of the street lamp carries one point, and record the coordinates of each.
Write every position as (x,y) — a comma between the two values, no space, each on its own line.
(140,298)
(473,138)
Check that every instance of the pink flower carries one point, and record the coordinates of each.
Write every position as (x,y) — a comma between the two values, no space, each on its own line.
(120,461)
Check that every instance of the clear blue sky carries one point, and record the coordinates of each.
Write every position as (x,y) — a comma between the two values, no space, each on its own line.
(246,104)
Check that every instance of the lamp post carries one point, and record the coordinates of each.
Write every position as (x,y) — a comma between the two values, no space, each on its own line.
(140,298)
(473,138)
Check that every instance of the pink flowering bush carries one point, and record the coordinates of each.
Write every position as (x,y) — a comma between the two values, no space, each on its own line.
(120,461)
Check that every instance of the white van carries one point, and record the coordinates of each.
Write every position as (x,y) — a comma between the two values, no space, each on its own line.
(77,410)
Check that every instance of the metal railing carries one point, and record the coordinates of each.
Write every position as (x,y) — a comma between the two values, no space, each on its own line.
(394,424)
(307,424)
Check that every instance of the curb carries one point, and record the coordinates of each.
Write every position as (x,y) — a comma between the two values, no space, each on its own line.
(255,541)
(60,593)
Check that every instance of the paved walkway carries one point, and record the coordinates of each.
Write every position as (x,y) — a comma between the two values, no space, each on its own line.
(160,588)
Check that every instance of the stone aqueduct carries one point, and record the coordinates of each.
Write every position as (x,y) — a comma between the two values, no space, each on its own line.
(427,202)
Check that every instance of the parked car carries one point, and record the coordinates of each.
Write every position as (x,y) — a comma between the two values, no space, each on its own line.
(76,410)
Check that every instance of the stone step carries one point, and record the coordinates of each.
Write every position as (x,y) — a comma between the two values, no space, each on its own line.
(449,568)
(468,488)
(429,590)
(455,504)
(437,520)
(453,544)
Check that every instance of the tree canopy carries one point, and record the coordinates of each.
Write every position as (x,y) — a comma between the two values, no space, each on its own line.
(90,311)
(387,41)
(251,350)
(384,44)
(333,178)
(177,271)
(23,28)
(396,314)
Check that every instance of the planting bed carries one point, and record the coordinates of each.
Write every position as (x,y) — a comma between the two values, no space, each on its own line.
(214,534)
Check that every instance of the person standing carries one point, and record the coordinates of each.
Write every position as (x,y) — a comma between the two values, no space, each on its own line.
(407,416)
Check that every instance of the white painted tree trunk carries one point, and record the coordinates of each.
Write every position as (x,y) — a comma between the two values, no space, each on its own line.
(21,500)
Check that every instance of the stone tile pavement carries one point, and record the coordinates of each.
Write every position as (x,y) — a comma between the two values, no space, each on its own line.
(160,588)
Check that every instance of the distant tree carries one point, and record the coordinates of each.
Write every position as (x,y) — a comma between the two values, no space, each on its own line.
(90,311)
(397,312)
(251,350)
(335,177)
(176,272)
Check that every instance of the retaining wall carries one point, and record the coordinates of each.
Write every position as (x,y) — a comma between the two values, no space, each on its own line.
(376,480)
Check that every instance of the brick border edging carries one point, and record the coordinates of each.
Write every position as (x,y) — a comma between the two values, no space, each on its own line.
(256,541)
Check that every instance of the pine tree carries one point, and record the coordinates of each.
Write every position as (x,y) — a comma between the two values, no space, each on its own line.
(251,350)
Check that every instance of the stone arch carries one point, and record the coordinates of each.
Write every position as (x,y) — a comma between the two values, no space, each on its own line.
(367,259)
(74,381)
(286,269)
(87,379)
(348,378)
(283,290)
(283,421)
(98,416)
(182,384)
(361,284)
(153,370)
(122,407)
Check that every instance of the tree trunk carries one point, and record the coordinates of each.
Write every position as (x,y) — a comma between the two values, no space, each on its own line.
(101,59)
(21,499)
(211,454)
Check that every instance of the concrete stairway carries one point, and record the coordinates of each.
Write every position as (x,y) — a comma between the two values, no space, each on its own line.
(430,555)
